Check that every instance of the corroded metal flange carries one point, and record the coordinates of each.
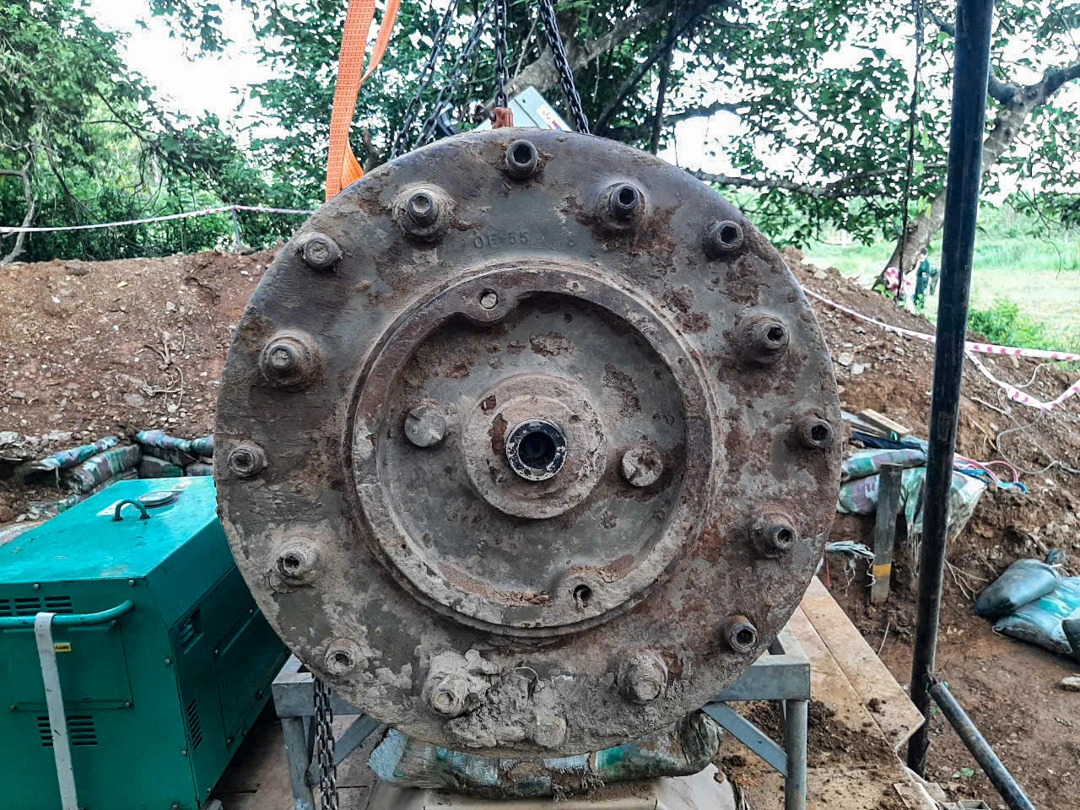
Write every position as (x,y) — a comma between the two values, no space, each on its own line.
(544,459)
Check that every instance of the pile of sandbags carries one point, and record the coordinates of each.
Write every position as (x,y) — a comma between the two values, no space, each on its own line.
(166,456)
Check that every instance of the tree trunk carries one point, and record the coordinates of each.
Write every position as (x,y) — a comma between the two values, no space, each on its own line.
(31,207)
(1008,123)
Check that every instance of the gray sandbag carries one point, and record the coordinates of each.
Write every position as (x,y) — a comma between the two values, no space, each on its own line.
(1020,583)
(154,467)
(1040,622)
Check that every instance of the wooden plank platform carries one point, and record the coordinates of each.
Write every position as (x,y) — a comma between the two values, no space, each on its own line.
(887,702)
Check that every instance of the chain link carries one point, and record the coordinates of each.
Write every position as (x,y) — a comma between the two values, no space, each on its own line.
(427,73)
(562,65)
(502,73)
(324,746)
(456,73)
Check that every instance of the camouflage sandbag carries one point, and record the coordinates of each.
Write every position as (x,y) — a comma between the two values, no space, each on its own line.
(203,446)
(199,468)
(64,459)
(98,469)
(154,467)
(1040,622)
(171,448)
(54,507)
(679,750)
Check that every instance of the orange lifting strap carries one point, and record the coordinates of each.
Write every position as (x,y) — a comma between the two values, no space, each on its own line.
(342,167)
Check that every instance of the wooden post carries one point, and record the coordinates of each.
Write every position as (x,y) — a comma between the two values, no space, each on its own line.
(888,505)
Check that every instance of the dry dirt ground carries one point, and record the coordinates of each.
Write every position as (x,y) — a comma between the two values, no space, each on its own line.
(92,348)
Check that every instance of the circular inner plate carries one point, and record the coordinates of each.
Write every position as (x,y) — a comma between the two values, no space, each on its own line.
(528,444)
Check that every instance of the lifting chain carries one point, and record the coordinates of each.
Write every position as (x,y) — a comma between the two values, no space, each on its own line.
(427,73)
(324,746)
(456,73)
(562,65)
(502,74)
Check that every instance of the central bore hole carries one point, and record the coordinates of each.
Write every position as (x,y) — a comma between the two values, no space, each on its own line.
(627,196)
(729,234)
(775,334)
(745,637)
(819,433)
(537,450)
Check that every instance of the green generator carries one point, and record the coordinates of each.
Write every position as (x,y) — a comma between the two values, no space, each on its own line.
(133,659)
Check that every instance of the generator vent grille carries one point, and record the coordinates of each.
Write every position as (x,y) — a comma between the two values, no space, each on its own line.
(194,724)
(81,731)
(31,605)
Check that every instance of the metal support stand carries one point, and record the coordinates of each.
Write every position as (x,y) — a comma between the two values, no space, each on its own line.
(782,674)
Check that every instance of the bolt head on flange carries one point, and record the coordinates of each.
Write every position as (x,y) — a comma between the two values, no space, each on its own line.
(449,696)
(723,237)
(773,534)
(289,360)
(298,561)
(423,212)
(342,656)
(814,432)
(740,634)
(522,159)
(319,251)
(763,338)
(642,677)
(246,460)
(642,465)
(425,425)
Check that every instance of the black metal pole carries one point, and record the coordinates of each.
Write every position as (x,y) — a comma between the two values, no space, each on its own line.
(970,75)
(993,767)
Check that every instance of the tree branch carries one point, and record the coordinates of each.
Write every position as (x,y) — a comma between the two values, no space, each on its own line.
(642,131)
(1000,91)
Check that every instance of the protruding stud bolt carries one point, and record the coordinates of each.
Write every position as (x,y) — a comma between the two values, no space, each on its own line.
(489,299)
(298,560)
(289,360)
(763,338)
(642,677)
(521,159)
(740,634)
(449,696)
(723,237)
(814,432)
(624,201)
(246,460)
(425,425)
(773,534)
(642,465)
(422,208)
(320,252)
(342,656)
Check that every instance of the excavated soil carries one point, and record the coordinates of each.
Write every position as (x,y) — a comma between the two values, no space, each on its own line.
(88,349)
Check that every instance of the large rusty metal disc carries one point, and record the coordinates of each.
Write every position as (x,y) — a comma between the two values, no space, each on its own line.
(526,443)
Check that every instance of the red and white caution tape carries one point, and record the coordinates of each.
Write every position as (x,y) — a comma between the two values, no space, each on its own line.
(4,229)
(972,349)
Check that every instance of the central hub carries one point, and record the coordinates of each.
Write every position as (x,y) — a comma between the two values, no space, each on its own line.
(536,450)
(534,466)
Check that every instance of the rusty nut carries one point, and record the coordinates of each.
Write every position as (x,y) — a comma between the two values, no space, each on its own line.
(642,678)
(722,237)
(814,432)
(740,634)
(342,656)
(522,160)
(298,561)
(423,212)
(319,252)
(449,696)
(763,338)
(289,360)
(773,535)
(246,460)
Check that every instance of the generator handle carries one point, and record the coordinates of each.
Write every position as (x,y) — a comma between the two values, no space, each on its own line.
(70,619)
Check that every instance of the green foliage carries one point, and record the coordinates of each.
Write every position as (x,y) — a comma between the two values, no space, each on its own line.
(1002,323)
